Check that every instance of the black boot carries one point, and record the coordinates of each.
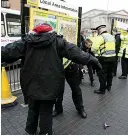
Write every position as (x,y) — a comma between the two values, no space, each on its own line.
(99,91)
(92,83)
(109,88)
(82,113)
(122,77)
(56,113)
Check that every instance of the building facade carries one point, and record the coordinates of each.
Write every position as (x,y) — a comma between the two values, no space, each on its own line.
(11,4)
(95,17)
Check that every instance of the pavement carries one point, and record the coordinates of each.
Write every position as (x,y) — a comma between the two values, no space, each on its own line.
(110,109)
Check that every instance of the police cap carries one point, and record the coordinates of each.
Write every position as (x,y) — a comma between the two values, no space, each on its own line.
(101,26)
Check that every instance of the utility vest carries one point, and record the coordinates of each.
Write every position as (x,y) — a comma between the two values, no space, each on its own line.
(106,45)
(124,46)
(66,62)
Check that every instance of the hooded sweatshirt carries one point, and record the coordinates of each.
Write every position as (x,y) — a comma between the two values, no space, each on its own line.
(42,73)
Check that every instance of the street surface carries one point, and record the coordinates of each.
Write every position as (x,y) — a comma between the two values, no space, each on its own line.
(111,108)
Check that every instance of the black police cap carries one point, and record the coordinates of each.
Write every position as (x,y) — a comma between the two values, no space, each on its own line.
(101,26)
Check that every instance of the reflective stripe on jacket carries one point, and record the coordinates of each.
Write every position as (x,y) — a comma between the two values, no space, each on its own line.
(104,45)
(66,62)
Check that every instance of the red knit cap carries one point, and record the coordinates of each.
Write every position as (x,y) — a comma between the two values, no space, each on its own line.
(42,28)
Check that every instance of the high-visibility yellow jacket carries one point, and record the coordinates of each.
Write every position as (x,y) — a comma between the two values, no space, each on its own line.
(124,46)
(94,40)
(66,62)
(104,45)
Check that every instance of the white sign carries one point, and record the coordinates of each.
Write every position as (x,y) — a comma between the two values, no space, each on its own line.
(122,25)
(59,6)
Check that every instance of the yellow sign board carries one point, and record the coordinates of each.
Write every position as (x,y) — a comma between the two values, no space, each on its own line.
(62,24)
(120,26)
(32,2)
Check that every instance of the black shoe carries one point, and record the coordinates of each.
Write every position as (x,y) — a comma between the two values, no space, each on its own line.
(30,133)
(109,89)
(92,83)
(99,91)
(56,113)
(122,77)
(82,113)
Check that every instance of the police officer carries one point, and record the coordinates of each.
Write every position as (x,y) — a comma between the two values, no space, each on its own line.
(94,32)
(73,79)
(105,48)
(123,53)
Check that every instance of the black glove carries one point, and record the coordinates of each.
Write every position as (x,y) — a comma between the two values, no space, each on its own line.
(95,63)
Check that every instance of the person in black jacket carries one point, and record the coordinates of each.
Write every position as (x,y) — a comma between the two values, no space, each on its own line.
(118,44)
(42,74)
(87,48)
(73,79)
(82,39)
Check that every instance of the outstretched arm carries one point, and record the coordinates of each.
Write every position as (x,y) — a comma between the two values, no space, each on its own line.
(13,51)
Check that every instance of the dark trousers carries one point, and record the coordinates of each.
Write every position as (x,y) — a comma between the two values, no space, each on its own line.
(73,79)
(90,72)
(106,75)
(115,65)
(80,72)
(42,109)
(124,64)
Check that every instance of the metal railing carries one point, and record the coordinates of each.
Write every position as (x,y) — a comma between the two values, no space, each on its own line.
(13,73)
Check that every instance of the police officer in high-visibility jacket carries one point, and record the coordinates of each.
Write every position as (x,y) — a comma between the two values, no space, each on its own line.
(123,53)
(73,79)
(105,48)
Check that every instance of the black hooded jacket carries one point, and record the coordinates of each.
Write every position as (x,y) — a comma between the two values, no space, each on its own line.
(43,74)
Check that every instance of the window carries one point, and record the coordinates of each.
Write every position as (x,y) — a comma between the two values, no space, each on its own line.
(13,25)
(5,3)
(2,26)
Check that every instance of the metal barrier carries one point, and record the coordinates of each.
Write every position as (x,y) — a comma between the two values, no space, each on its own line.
(13,73)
